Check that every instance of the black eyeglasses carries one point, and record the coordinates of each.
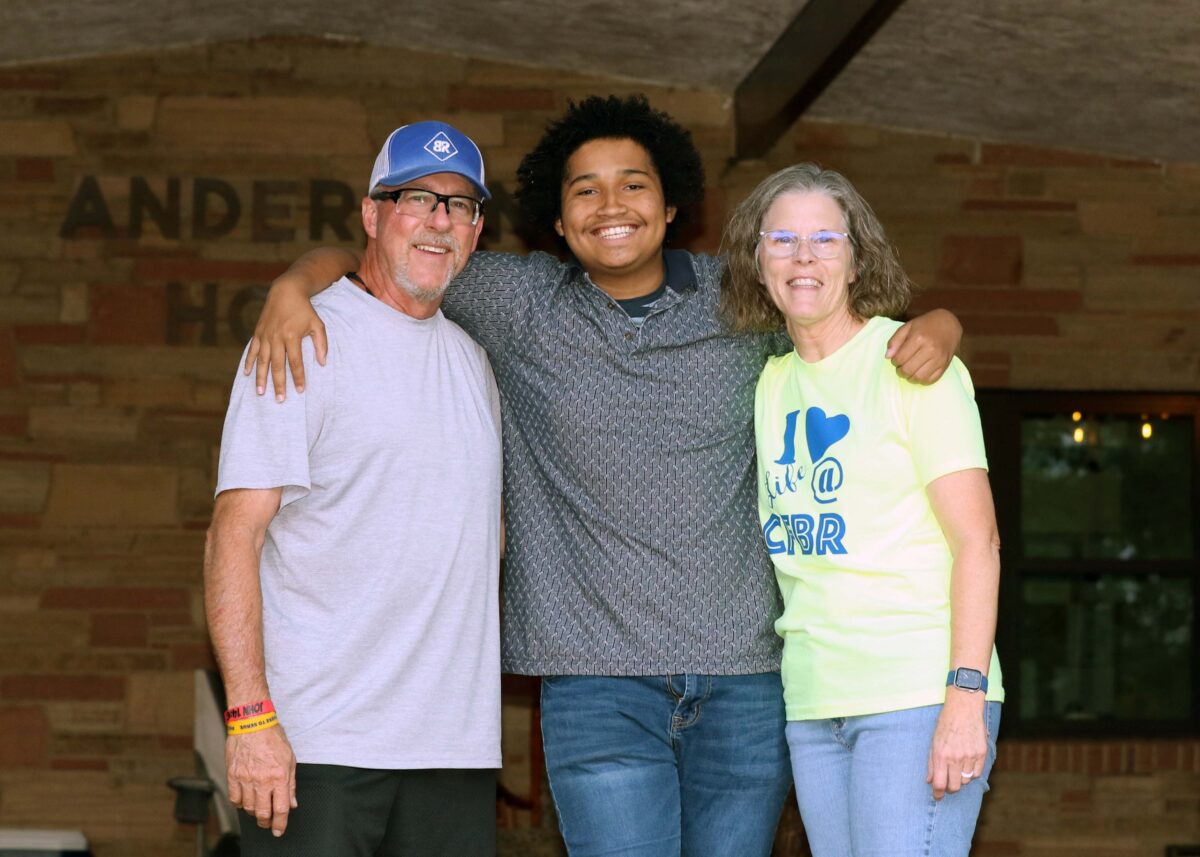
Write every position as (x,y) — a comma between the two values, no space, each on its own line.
(419,202)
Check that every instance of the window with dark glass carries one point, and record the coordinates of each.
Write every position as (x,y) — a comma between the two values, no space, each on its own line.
(1096,495)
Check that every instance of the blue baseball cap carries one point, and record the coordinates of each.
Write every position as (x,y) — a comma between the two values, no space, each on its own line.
(424,148)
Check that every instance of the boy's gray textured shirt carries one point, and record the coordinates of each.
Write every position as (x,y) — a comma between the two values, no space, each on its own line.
(629,472)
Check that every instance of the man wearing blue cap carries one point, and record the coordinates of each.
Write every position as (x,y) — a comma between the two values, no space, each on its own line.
(351,570)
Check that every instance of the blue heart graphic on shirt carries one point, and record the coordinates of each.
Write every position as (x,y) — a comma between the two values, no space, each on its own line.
(823,432)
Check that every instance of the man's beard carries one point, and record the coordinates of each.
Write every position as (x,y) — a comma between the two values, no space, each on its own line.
(426,294)
(423,295)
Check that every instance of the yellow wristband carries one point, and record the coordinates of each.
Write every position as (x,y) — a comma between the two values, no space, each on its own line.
(251,724)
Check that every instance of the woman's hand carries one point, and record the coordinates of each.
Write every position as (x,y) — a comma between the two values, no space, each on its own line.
(922,349)
(287,317)
(959,747)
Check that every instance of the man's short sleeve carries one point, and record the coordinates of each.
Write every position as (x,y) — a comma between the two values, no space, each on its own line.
(488,297)
(945,434)
(265,444)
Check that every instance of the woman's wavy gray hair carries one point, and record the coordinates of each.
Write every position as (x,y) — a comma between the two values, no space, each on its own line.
(880,285)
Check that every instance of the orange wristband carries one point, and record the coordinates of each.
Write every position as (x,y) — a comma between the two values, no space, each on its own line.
(250,709)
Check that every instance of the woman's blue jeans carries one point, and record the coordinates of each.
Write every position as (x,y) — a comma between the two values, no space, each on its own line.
(663,766)
(860,783)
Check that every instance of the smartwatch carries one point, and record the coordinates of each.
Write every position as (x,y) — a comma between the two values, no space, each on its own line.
(965,678)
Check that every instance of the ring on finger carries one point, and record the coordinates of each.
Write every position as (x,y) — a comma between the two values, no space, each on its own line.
(966,775)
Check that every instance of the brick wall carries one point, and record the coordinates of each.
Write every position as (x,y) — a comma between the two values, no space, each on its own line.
(144,202)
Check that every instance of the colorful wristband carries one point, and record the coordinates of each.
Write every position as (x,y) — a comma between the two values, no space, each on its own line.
(252,724)
(250,709)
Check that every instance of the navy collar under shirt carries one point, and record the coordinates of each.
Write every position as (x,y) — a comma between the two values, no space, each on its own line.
(678,276)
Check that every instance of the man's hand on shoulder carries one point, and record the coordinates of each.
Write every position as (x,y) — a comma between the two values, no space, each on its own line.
(287,317)
(261,770)
(923,348)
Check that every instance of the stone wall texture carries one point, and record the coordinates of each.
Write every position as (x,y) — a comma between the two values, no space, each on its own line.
(145,201)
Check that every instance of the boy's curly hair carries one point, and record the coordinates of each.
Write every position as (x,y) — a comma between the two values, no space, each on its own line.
(541,173)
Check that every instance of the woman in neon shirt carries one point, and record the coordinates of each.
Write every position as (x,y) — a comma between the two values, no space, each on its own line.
(876,510)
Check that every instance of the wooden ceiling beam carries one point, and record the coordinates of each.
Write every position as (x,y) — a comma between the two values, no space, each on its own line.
(804,60)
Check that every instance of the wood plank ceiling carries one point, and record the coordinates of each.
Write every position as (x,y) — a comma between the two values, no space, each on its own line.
(1091,75)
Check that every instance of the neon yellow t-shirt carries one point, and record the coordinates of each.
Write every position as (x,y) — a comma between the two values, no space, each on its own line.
(845,449)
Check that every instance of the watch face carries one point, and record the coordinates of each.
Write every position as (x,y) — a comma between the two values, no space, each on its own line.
(968,679)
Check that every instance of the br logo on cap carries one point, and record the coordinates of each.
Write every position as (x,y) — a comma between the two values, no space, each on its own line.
(440,147)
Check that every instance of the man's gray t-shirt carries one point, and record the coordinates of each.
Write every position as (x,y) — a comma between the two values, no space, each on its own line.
(380,570)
